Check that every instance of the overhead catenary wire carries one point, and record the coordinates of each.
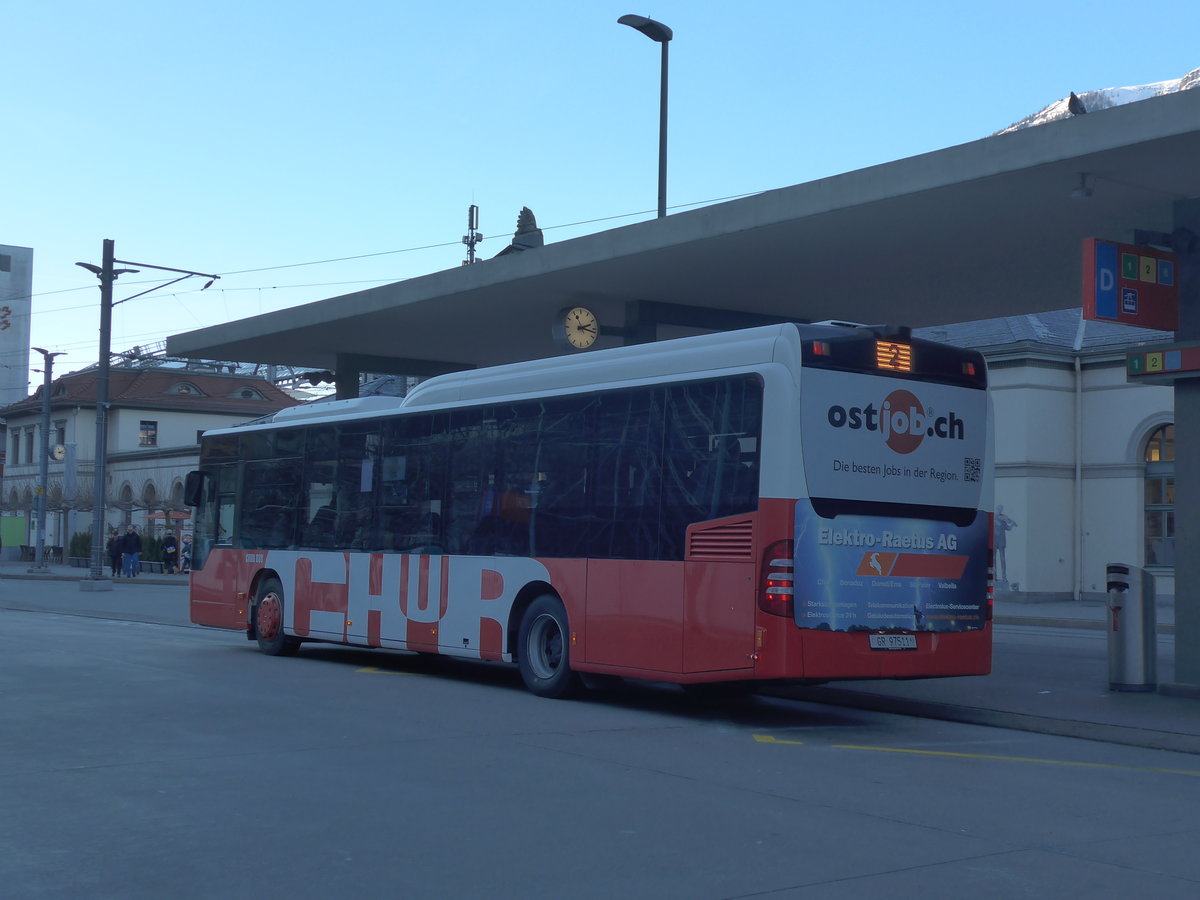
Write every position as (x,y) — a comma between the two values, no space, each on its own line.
(318,262)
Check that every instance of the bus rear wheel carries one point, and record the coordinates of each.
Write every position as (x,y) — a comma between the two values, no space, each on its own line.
(268,621)
(543,649)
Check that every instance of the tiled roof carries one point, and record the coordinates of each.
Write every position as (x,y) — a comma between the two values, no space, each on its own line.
(159,389)
(1058,329)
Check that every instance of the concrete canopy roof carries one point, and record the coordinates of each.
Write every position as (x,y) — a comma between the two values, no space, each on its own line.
(979,230)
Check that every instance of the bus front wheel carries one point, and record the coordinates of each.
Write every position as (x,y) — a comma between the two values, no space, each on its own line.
(543,649)
(268,621)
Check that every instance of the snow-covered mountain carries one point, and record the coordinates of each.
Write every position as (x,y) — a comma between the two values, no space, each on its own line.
(1106,97)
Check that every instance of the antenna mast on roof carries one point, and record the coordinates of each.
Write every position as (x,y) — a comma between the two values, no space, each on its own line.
(472,237)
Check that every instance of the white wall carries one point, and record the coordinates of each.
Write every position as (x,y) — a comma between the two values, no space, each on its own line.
(1057,549)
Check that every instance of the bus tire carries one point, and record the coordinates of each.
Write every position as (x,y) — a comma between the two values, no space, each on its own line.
(268,621)
(543,649)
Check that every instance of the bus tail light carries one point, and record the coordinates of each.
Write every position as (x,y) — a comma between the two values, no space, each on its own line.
(777,587)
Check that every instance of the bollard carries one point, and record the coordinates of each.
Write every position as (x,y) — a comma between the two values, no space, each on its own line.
(1132,631)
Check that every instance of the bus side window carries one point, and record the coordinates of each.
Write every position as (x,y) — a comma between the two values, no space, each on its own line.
(470,450)
(319,532)
(319,489)
(357,458)
(269,514)
(559,518)
(411,485)
(626,496)
(712,442)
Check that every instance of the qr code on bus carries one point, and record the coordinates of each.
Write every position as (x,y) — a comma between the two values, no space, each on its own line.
(972,469)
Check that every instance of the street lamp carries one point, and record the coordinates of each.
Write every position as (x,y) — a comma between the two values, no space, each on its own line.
(659,32)
(39,559)
(107,275)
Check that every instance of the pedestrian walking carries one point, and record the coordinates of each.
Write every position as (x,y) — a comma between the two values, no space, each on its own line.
(185,555)
(131,548)
(115,551)
(170,552)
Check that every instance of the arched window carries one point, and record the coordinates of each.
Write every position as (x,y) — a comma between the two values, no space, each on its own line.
(125,502)
(150,497)
(1160,497)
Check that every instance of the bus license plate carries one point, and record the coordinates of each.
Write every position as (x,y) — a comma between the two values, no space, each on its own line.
(893,641)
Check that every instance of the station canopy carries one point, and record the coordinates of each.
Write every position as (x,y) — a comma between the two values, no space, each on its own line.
(984,229)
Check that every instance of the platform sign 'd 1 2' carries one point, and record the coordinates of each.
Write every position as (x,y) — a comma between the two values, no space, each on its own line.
(1131,285)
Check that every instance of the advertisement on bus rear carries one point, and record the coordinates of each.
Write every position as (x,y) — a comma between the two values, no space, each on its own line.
(856,573)
(874,438)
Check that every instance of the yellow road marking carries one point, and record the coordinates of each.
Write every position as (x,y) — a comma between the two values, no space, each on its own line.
(1023,759)
(767,739)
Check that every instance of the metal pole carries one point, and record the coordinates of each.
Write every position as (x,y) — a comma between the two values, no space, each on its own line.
(659,32)
(70,490)
(106,294)
(107,275)
(39,557)
(1185,241)
(662,137)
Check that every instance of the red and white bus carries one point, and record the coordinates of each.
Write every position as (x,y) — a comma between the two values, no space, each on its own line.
(795,503)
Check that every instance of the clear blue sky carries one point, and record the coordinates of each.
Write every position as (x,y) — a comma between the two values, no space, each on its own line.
(238,135)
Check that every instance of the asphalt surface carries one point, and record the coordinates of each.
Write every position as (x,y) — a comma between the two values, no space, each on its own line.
(1050,670)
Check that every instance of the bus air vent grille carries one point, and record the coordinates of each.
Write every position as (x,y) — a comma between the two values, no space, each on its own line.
(727,541)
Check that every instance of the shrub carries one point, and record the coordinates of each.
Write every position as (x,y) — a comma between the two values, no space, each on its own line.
(80,544)
(151,549)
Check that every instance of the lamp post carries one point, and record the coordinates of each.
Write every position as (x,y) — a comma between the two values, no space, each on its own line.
(39,558)
(660,33)
(107,275)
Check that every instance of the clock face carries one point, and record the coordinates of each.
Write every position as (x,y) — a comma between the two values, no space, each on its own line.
(59,451)
(580,327)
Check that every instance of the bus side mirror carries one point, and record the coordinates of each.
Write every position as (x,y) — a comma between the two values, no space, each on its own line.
(193,489)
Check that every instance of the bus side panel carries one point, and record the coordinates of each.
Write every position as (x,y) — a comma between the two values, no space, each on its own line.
(830,655)
(217,595)
(635,614)
(478,596)
(315,592)
(718,619)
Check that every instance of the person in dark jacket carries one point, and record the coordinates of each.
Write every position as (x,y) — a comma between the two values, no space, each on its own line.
(131,547)
(170,552)
(114,553)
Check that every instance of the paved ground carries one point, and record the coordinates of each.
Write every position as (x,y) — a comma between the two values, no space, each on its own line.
(1050,673)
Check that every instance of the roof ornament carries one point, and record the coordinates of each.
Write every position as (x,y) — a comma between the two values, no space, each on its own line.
(528,235)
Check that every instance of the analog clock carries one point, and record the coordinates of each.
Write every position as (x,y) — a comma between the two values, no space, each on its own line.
(58,451)
(578,326)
